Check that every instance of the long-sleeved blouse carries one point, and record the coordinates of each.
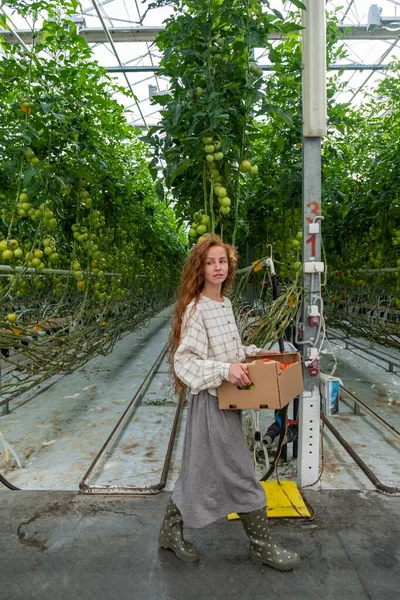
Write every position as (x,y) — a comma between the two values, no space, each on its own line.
(209,343)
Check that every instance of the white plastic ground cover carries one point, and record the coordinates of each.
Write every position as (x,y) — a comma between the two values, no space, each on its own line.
(58,434)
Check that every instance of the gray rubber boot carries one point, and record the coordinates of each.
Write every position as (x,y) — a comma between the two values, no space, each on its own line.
(262,548)
(171,535)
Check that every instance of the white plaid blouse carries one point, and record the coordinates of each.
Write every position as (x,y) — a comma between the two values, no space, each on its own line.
(209,343)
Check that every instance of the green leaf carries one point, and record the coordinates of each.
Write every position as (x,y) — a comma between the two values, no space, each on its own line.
(278,14)
(148,139)
(299,4)
(175,112)
(345,211)
(46,107)
(30,172)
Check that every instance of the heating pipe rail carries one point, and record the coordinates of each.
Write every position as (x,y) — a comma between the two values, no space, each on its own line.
(85,487)
(373,414)
(383,489)
(392,362)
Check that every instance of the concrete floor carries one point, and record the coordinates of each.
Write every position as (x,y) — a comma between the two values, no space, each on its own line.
(62,545)
(65,546)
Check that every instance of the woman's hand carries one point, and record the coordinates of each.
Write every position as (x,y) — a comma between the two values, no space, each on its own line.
(238,374)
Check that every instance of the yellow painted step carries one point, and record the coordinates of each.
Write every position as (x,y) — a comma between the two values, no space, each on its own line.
(283,500)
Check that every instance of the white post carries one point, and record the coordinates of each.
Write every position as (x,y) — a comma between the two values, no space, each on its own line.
(314,126)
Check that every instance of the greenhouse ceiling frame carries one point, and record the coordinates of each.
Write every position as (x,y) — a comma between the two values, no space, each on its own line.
(141,33)
(109,34)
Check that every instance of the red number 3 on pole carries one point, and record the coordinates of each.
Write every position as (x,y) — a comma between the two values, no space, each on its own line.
(314,211)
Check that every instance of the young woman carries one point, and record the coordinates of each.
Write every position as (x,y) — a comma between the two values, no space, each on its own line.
(217,475)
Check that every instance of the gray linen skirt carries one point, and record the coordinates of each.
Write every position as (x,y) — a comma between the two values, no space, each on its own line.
(217,475)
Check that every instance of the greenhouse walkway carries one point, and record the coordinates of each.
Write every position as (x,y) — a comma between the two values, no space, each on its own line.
(58,544)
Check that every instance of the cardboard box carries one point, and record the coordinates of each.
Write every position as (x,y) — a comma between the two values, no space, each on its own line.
(273,387)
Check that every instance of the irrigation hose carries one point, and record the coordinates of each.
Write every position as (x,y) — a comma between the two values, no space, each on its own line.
(283,415)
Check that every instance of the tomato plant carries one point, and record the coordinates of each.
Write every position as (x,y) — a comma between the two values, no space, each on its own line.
(208,126)
(76,189)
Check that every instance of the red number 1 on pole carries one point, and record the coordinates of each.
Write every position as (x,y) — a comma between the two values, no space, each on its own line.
(311,240)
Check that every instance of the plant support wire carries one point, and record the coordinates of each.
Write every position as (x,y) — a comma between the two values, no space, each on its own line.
(85,487)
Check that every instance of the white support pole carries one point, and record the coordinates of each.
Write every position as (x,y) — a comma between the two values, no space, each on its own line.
(314,69)
(314,126)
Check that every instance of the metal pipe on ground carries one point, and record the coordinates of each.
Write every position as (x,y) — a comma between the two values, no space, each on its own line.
(372,413)
(383,489)
(127,489)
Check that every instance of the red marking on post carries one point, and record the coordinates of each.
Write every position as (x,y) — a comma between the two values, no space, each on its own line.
(311,240)
(314,211)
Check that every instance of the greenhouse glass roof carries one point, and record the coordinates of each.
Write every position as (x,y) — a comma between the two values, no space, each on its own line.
(122,40)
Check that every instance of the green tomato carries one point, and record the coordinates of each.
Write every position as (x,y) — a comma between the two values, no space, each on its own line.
(209,148)
(209,158)
(224,210)
(7,254)
(201,229)
(220,191)
(225,201)
(245,166)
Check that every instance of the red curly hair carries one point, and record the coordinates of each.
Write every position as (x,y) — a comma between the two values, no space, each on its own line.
(192,283)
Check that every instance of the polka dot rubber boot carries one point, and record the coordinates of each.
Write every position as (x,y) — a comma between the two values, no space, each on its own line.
(262,548)
(171,535)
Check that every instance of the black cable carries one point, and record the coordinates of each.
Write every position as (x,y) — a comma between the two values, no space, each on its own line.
(283,415)
(9,485)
